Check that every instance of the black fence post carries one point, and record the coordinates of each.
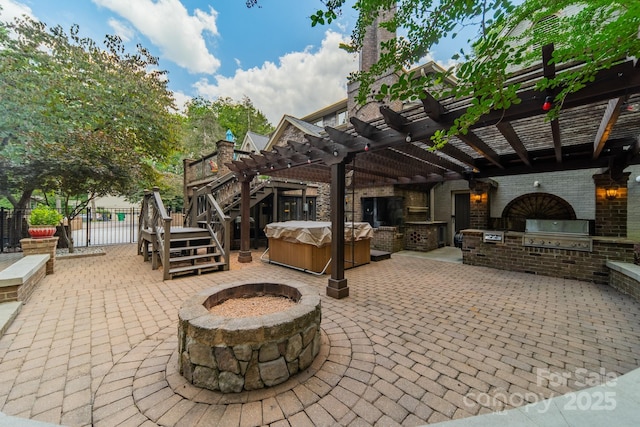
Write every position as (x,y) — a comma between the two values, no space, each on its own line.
(88,239)
(2,214)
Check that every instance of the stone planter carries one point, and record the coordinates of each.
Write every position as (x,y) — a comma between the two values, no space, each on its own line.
(235,354)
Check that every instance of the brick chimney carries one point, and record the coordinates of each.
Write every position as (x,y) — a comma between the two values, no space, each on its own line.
(369,55)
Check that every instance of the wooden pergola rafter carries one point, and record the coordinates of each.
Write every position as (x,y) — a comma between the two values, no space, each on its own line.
(597,127)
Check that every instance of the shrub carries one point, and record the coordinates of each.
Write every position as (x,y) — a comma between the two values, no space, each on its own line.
(44,215)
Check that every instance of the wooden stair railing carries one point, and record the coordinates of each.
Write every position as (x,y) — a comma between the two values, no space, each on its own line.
(154,227)
(183,250)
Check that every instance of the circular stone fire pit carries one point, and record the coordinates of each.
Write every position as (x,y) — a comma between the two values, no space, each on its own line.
(248,353)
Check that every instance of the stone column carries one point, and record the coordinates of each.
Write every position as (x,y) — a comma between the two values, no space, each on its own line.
(41,246)
(225,155)
(611,213)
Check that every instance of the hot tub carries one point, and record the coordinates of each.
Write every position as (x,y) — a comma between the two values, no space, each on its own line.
(306,245)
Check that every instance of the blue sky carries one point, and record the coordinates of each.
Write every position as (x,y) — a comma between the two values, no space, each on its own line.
(220,48)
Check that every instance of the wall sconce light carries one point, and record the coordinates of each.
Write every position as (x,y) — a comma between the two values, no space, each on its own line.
(536,184)
(477,197)
(611,192)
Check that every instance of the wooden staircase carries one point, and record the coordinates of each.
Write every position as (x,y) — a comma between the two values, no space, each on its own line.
(192,250)
(183,250)
(203,244)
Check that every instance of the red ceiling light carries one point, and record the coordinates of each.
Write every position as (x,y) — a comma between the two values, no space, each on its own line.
(548,103)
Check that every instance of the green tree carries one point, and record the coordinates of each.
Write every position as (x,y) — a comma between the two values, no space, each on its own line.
(76,118)
(206,122)
(601,33)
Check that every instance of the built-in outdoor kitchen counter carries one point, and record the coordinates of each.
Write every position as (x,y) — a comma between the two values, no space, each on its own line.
(548,247)
(424,235)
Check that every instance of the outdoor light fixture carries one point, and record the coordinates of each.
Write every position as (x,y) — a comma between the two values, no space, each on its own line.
(289,165)
(477,197)
(548,103)
(335,153)
(611,192)
(408,137)
(367,146)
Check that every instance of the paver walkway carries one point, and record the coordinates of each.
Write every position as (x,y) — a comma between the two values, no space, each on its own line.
(418,341)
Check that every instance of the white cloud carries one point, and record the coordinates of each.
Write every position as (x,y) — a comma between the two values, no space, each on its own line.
(12,9)
(168,25)
(301,83)
(121,29)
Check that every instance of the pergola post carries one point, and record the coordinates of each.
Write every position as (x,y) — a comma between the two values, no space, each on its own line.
(245,224)
(337,286)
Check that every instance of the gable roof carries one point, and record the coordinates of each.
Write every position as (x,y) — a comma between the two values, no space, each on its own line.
(286,121)
(259,142)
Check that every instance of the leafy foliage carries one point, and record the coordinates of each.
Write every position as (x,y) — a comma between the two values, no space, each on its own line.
(208,121)
(44,215)
(77,118)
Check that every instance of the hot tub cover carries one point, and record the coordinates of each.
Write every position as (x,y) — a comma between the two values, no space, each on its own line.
(317,233)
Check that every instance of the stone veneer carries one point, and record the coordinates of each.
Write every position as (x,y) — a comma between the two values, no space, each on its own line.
(235,354)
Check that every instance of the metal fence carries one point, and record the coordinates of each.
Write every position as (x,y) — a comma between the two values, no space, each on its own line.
(89,228)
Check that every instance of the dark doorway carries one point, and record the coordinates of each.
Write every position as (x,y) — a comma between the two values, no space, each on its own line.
(462,211)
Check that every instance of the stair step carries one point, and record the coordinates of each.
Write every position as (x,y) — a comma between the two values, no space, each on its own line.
(196,268)
(174,259)
(379,255)
(190,248)
(191,238)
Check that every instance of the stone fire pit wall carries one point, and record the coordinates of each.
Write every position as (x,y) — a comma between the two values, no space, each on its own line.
(235,354)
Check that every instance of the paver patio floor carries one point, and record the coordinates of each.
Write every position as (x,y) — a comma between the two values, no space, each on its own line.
(417,341)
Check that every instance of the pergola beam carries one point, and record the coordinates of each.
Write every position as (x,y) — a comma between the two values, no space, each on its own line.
(514,141)
(609,119)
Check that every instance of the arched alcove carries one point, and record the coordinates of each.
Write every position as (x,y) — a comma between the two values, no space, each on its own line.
(535,206)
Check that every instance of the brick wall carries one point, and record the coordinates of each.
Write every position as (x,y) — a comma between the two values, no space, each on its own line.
(387,239)
(611,214)
(589,266)
(572,186)
(8,293)
(421,237)
(625,284)
(41,246)
(633,204)
(27,288)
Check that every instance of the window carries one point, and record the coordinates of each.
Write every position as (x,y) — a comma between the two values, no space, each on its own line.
(341,117)
(382,211)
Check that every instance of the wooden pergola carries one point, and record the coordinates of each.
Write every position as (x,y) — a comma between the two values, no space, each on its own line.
(598,127)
